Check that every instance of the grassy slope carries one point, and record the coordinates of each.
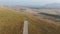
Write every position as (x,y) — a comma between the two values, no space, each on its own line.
(11,23)
(43,26)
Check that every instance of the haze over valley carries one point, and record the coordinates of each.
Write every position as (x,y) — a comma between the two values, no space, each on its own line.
(38,16)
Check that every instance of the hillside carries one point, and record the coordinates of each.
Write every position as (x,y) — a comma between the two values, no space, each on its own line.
(42,25)
(11,22)
(52,5)
(55,11)
(50,11)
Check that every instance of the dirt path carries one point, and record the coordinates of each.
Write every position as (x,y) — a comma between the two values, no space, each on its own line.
(25,27)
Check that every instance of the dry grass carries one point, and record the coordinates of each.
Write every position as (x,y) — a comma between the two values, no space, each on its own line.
(43,26)
(11,22)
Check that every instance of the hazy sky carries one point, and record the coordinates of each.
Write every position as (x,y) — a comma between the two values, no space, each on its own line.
(27,2)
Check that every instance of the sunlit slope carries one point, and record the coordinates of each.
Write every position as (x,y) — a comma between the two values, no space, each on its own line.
(43,26)
(10,21)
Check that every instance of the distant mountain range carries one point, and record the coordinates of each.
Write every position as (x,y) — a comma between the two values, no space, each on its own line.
(53,5)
